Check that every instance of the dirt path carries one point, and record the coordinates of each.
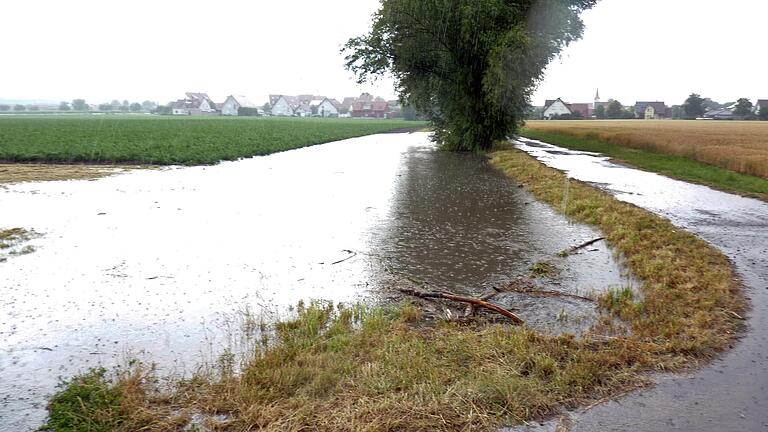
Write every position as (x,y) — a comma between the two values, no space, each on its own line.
(730,393)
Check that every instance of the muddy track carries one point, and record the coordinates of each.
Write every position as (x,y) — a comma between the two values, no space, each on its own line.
(731,392)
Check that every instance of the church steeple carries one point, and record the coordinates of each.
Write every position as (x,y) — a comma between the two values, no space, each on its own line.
(597,95)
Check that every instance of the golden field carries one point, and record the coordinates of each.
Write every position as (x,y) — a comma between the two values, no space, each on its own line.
(735,145)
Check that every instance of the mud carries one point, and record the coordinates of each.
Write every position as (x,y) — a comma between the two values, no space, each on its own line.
(161,264)
(731,393)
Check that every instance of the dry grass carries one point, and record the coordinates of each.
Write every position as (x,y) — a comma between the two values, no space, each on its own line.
(352,369)
(734,145)
(23,172)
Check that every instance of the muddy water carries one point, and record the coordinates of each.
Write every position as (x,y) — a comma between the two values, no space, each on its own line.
(731,393)
(155,264)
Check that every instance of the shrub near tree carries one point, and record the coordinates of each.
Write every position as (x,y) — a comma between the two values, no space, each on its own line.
(600,112)
(469,66)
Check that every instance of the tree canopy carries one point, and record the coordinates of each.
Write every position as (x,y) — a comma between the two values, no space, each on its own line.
(743,107)
(694,106)
(469,66)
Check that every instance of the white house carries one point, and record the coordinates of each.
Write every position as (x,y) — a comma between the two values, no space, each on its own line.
(282,106)
(233,104)
(194,104)
(323,108)
(554,108)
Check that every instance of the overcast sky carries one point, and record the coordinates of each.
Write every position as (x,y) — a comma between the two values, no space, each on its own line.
(149,49)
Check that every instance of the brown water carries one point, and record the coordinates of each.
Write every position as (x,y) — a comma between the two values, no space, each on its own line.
(730,394)
(155,264)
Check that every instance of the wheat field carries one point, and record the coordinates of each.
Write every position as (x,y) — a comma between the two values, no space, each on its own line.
(740,146)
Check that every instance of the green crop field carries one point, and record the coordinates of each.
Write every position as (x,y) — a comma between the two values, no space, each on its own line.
(170,140)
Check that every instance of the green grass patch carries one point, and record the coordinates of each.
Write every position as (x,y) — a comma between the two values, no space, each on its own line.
(170,140)
(673,166)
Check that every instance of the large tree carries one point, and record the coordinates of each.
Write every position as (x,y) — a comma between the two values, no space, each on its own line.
(694,106)
(743,107)
(79,105)
(615,110)
(469,66)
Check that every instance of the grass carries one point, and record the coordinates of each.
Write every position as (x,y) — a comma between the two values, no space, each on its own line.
(731,156)
(170,140)
(12,236)
(377,369)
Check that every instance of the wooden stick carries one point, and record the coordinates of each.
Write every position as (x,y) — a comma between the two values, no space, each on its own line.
(583,245)
(477,302)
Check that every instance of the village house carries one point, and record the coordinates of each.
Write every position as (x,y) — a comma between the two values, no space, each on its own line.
(283,106)
(554,108)
(323,108)
(232,105)
(370,109)
(652,110)
(195,104)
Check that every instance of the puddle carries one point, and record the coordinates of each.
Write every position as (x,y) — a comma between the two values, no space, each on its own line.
(730,393)
(152,264)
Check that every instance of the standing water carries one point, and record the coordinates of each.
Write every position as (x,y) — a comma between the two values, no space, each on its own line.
(151,264)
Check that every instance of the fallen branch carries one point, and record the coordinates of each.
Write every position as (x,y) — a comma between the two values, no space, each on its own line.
(581,246)
(352,255)
(477,302)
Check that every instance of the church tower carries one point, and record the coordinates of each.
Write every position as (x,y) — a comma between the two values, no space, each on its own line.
(597,98)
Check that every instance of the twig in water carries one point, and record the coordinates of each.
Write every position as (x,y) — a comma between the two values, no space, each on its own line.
(477,302)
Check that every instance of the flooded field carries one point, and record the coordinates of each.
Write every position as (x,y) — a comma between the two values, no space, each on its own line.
(155,264)
(730,393)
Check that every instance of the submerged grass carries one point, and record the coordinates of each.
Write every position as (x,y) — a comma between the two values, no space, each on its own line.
(664,159)
(170,140)
(350,369)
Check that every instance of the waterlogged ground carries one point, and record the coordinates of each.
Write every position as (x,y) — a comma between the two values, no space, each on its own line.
(732,392)
(158,264)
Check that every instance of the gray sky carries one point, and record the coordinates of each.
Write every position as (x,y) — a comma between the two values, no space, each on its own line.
(143,49)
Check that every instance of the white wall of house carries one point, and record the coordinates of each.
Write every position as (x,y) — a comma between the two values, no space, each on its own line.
(326,109)
(650,113)
(230,107)
(282,108)
(557,108)
(180,111)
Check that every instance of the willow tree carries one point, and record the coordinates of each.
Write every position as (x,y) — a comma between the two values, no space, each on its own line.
(469,65)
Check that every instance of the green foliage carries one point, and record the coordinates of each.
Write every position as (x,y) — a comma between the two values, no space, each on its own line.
(148,106)
(19,107)
(743,107)
(600,112)
(5,107)
(64,106)
(677,112)
(469,65)
(615,110)
(170,140)
(87,403)
(79,105)
(135,107)
(105,107)
(694,106)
